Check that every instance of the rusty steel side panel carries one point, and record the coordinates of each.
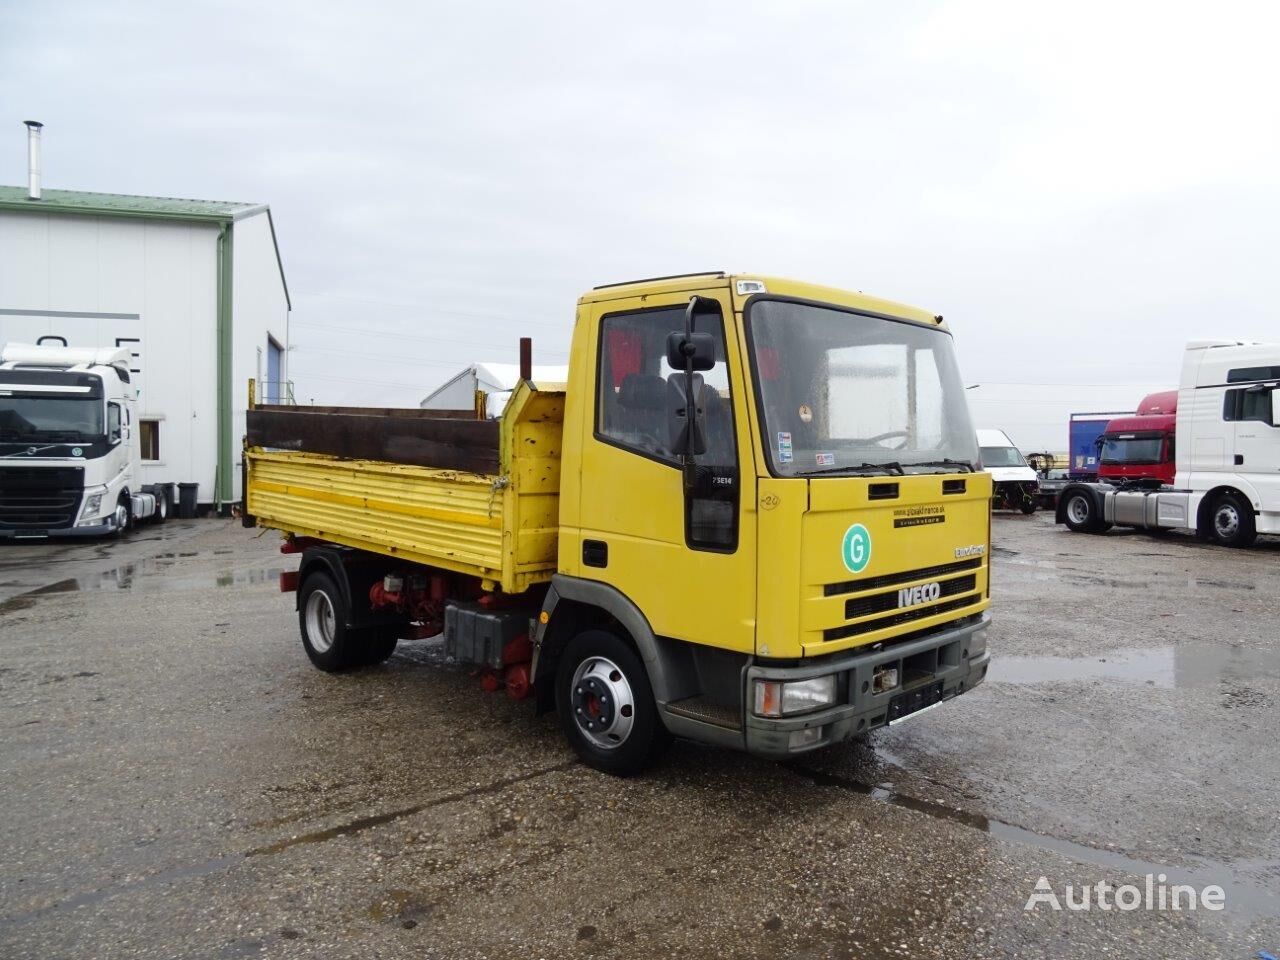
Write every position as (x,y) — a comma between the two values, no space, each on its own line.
(442,442)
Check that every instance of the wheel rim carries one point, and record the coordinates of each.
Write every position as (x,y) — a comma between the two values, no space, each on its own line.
(1078,510)
(162,508)
(1226,521)
(603,704)
(320,621)
(122,517)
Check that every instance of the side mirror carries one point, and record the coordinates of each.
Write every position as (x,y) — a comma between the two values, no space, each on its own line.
(685,431)
(700,347)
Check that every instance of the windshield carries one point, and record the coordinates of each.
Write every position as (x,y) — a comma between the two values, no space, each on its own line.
(847,392)
(1002,457)
(1131,449)
(50,418)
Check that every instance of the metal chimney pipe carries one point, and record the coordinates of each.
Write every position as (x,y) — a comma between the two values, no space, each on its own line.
(33,159)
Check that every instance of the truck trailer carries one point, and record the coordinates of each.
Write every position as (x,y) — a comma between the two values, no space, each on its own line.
(1226,487)
(752,516)
(69,445)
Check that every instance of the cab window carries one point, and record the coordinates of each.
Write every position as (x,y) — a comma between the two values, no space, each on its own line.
(633,381)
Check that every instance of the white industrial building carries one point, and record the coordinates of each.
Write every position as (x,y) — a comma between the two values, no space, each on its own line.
(495,380)
(194,288)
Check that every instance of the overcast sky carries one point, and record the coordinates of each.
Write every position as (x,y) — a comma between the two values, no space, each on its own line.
(1079,188)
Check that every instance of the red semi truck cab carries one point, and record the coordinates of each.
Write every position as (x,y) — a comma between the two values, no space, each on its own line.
(1140,447)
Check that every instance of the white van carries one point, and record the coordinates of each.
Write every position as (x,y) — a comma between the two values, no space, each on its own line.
(1016,484)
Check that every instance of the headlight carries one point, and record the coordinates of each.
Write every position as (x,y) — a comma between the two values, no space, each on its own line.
(92,504)
(775,698)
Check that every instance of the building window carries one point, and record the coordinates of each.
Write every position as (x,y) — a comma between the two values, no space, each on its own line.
(149,435)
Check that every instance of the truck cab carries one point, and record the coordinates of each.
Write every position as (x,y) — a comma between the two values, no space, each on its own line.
(1141,447)
(834,522)
(68,448)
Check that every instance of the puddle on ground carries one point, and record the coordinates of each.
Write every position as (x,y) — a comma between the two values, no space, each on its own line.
(1147,578)
(1182,665)
(1247,896)
(152,575)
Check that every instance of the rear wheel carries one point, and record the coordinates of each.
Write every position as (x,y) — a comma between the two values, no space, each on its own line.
(606,704)
(1081,513)
(162,507)
(322,621)
(1231,521)
(377,644)
(1028,505)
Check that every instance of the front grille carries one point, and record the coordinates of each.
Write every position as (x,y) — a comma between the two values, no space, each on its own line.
(36,498)
(906,616)
(892,579)
(880,602)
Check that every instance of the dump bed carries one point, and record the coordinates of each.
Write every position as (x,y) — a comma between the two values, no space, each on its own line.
(441,488)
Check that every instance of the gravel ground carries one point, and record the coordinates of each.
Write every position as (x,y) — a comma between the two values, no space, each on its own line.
(179,782)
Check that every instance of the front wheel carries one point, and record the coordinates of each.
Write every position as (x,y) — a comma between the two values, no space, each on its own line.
(606,704)
(1231,521)
(1028,506)
(1081,513)
(123,517)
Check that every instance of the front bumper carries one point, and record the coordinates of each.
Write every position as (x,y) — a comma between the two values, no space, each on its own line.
(954,669)
(97,530)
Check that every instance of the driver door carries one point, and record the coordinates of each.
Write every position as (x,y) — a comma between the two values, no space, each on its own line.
(687,563)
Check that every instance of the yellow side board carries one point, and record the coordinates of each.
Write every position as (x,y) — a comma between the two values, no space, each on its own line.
(501,528)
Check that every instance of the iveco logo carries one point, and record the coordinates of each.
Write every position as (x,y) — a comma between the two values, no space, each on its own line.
(925,593)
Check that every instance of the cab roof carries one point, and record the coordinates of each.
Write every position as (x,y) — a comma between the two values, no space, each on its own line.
(775,286)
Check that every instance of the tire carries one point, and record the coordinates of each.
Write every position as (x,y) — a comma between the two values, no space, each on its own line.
(124,517)
(1231,521)
(322,617)
(162,507)
(1080,513)
(376,644)
(1028,507)
(606,704)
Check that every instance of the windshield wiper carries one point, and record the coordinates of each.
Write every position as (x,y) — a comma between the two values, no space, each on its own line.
(890,467)
(943,463)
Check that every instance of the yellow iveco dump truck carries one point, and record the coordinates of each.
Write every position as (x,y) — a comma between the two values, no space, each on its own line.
(752,517)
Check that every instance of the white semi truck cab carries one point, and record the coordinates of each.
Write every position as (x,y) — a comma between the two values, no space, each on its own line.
(1227,455)
(69,449)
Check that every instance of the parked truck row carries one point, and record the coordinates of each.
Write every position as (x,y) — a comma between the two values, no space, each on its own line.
(752,516)
(1206,460)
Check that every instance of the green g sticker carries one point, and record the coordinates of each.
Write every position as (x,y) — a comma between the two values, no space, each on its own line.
(856,549)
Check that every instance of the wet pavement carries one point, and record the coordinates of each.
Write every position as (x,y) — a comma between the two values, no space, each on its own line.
(179,782)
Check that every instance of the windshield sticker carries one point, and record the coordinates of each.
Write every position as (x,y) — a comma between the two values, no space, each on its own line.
(784,447)
(856,549)
(825,459)
(806,413)
(919,516)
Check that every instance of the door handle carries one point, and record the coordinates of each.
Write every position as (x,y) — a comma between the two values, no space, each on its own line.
(595,553)
(1239,459)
